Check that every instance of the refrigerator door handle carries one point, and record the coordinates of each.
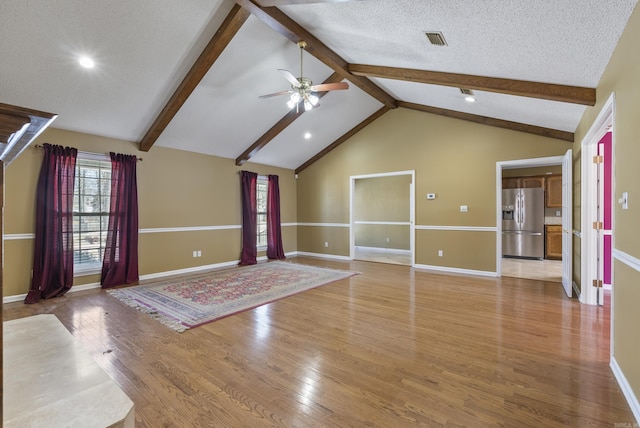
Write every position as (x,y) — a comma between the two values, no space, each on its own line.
(519,208)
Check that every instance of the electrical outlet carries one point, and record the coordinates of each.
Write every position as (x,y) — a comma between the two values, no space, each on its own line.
(464,208)
(326,244)
(195,253)
(387,240)
(440,253)
(199,253)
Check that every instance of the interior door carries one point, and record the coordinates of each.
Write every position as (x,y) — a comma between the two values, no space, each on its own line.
(567,227)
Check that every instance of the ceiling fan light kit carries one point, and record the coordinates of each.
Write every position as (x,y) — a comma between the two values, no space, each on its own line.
(302,88)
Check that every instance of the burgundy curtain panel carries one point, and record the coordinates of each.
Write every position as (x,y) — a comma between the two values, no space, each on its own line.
(274,233)
(249,218)
(53,246)
(120,263)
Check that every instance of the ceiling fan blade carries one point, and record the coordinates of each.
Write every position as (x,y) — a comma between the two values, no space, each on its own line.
(330,87)
(290,77)
(275,94)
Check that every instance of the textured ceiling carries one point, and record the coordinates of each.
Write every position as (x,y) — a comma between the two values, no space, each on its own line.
(566,42)
(144,48)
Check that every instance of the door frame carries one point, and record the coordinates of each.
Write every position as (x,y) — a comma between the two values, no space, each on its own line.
(513,164)
(567,223)
(589,211)
(412,209)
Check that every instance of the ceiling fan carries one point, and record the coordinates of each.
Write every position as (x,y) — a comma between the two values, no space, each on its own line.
(302,88)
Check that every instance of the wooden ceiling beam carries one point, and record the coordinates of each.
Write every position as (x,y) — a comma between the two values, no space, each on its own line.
(10,124)
(269,3)
(232,23)
(293,31)
(490,121)
(344,138)
(276,129)
(545,91)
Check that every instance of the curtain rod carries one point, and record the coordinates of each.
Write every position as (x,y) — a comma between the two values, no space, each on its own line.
(259,175)
(39,146)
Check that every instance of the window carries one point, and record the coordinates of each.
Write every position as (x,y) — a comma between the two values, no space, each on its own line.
(90,212)
(261,205)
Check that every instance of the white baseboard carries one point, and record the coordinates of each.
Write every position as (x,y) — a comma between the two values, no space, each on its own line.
(626,389)
(188,270)
(456,270)
(204,267)
(20,297)
(383,250)
(11,299)
(577,291)
(323,256)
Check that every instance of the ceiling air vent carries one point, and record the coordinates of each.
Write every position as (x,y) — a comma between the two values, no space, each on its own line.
(466,91)
(436,38)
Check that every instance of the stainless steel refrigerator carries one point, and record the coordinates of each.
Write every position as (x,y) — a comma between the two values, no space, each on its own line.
(523,223)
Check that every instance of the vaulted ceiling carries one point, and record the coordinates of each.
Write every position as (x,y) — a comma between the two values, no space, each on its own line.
(187,75)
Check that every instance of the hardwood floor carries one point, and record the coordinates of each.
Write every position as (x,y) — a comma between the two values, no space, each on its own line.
(391,347)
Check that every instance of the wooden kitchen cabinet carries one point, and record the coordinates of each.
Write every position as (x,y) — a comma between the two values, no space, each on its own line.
(553,191)
(522,182)
(553,242)
(511,183)
(529,182)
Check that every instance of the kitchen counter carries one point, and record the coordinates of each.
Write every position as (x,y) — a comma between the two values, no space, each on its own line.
(553,220)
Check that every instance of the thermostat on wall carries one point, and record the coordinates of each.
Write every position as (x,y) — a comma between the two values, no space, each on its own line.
(431,195)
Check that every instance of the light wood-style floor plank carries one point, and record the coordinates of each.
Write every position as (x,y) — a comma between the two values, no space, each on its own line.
(391,347)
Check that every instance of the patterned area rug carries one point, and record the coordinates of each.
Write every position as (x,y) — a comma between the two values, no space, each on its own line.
(199,299)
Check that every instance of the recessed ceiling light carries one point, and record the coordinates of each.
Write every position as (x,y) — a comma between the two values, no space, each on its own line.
(468,95)
(86,62)
(307,135)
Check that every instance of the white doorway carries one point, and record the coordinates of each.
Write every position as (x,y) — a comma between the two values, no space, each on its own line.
(592,242)
(379,233)
(567,231)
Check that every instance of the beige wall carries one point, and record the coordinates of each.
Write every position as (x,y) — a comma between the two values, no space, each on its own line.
(176,189)
(392,236)
(452,158)
(621,77)
(382,199)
